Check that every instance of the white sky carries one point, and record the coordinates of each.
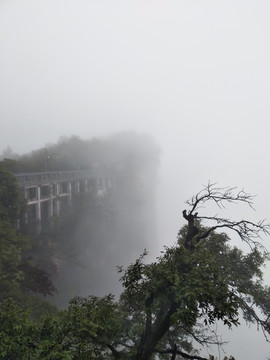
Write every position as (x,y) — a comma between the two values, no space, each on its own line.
(195,74)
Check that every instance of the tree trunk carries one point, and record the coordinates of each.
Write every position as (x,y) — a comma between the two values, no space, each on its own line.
(149,341)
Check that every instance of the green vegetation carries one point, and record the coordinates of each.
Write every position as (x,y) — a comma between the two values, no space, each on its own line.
(167,306)
(95,228)
(12,202)
(20,277)
(120,152)
(88,239)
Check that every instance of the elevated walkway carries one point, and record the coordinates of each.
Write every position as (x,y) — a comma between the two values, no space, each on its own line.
(48,193)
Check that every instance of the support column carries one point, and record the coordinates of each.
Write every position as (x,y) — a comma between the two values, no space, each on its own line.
(26,213)
(77,186)
(38,210)
(69,188)
(57,199)
(51,202)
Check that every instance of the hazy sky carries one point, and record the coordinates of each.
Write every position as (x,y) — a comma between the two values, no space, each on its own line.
(194,74)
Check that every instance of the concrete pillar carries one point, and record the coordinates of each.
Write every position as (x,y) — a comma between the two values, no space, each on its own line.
(57,200)
(109,183)
(101,187)
(38,210)
(69,188)
(26,197)
(38,213)
(77,186)
(51,201)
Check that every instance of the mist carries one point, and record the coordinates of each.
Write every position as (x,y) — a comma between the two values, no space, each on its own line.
(100,233)
(192,75)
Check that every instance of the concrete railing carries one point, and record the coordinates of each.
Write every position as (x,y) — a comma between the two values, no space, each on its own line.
(46,191)
(39,178)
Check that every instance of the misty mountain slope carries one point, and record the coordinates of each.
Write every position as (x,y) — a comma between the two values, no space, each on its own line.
(98,233)
(110,231)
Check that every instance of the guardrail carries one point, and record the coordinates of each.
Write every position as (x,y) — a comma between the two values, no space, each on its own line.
(39,178)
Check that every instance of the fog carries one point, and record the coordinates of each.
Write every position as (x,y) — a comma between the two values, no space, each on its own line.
(192,74)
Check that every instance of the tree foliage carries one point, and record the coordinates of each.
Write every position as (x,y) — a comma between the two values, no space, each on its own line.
(121,151)
(12,202)
(19,274)
(167,306)
(71,244)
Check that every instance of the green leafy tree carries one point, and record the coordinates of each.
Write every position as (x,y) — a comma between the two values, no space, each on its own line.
(19,274)
(12,243)
(12,202)
(169,305)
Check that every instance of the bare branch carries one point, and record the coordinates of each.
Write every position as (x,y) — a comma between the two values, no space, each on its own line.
(219,196)
(263,324)
(248,231)
(203,339)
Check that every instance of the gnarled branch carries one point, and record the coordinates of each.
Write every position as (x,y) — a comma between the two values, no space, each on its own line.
(248,231)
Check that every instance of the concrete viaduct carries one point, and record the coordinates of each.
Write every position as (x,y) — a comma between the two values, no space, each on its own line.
(48,193)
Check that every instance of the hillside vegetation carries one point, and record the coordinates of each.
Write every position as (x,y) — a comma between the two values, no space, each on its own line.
(85,244)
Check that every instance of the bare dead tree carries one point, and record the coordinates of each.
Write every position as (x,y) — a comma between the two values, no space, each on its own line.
(248,231)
